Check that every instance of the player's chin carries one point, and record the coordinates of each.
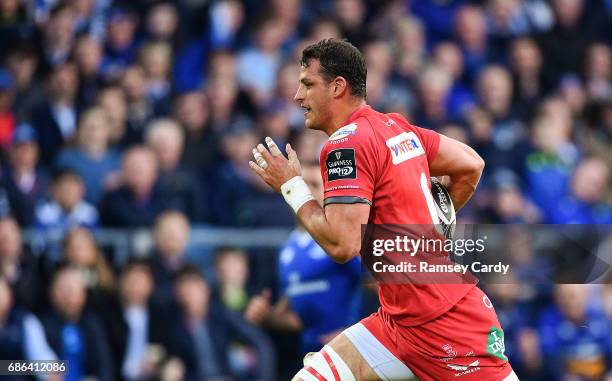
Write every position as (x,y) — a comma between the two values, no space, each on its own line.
(309,123)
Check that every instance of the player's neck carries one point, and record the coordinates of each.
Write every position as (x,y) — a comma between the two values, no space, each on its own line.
(341,116)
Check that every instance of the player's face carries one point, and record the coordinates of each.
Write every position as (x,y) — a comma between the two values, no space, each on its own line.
(314,95)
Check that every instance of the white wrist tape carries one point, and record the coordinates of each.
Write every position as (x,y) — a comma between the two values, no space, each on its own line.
(296,193)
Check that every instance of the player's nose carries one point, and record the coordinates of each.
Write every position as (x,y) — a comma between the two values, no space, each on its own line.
(299,95)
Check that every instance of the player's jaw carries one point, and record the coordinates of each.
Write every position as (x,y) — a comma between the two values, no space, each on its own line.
(315,113)
(309,117)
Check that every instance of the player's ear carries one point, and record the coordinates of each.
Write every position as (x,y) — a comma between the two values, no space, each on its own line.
(339,86)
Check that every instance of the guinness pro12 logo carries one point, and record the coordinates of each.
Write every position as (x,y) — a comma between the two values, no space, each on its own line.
(340,164)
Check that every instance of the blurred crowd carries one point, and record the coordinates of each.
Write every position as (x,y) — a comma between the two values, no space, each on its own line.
(143,114)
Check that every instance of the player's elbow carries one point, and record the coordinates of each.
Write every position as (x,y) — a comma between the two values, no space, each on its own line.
(477,164)
(472,164)
(344,253)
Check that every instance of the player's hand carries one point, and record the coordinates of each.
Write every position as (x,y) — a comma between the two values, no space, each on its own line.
(259,308)
(272,166)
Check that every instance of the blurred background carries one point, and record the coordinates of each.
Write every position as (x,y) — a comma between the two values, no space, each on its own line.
(136,243)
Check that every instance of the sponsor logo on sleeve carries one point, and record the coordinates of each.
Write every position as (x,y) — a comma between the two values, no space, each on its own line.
(404,146)
(344,132)
(341,165)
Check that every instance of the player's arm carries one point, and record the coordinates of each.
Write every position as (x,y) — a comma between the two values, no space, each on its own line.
(337,228)
(462,165)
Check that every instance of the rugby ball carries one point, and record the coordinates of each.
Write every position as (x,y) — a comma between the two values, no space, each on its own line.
(444,208)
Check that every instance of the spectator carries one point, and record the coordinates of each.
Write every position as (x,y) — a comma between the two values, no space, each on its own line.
(471,32)
(171,237)
(583,201)
(55,119)
(202,338)
(140,109)
(136,330)
(201,141)
(177,184)
(594,137)
(257,65)
(18,267)
(25,184)
(223,95)
(156,60)
(239,197)
(22,63)
(598,72)
(81,252)
(232,271)
(351,16)
(285,89)
(507,147)
(409,39)
(65,210)
(434,89)
(88,59)
(92,159)
(582,347)
(14,23)
(138,201)
(121,43)
(112,99)
(565,45)
(162,23)
(227,21)
(509,203)
(383,93)
(460,99)
(58,33)
(75,334)
(530,82)
(21,333)
(550,166)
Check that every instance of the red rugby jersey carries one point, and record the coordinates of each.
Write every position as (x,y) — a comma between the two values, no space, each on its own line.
(384,160)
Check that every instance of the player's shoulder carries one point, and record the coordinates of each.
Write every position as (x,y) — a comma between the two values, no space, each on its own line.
(355,132)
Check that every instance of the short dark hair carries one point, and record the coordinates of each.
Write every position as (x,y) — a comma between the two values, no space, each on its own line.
(137,264)
(224,251)
(63,173)
(339,58)
(189,272)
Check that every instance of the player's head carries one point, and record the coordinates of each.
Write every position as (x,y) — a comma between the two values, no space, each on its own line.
(332,71)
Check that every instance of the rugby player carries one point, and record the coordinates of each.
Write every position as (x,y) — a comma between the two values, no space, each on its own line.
(437,331)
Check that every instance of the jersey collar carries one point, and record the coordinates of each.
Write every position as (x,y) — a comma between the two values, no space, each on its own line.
(357,113)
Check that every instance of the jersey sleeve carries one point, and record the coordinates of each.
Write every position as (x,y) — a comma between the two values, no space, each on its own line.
(431,142)
(348,165)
